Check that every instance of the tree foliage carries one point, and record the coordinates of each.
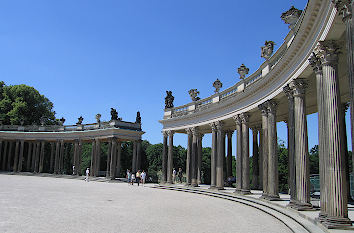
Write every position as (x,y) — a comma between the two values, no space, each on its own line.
(21,103)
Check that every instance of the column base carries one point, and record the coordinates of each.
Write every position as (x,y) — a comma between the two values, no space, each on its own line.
(219,188)
(336,222)
(301,206)
(194,185)
(270,197)
(264,196)
(321,217)
(212,188)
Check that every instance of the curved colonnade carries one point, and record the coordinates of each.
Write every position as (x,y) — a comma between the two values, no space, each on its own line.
(312,71)
(23,148)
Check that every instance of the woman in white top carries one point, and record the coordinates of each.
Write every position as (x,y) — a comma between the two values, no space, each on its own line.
(143,177)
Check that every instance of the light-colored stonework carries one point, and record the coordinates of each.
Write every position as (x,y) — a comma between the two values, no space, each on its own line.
(306,74)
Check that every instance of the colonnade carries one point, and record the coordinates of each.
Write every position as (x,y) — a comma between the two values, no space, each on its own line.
(331,134)
(22,155)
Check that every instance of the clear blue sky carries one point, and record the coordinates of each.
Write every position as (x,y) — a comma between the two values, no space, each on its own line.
(88,56)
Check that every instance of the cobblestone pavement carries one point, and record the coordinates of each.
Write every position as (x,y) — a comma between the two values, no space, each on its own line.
(48,204)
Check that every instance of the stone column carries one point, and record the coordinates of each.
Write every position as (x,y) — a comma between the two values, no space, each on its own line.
(239,154)
(20,160)
(315,62)
(119,156)
(213,156)
(189,155)
(41,159)
(273,189)
(194,157)
(134,157)
(138,155)
(164,157)
(76,157)
(199,159)
(79,158)
(337,208)
(98,157)
(93,159)
(51,167)
(9,156)
(4,157)
(245,154)
(291,144)
(265,148)
(56,160)
(344,108)
(345,8)
(113,159)
(255,159)
(1,154)
(229,154)
(17,149)
(33,156)
(36,161)
(220,156)
(260,163)
(301,146)
(62,147)
(108,169)
(170,157)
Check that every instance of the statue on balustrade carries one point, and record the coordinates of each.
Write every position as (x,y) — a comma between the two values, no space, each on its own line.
(114,114)
(291,16)
(80,119)
(138,118)
(61,121)
(98,118)
(193,93)
(217,85)
(169,99)
(267,49)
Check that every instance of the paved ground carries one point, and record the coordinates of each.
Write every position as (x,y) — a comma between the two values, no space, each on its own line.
(47,204)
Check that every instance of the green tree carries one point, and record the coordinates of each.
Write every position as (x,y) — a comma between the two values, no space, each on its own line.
(21,103)
(283,167)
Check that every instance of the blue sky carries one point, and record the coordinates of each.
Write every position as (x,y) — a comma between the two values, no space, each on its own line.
(88,56)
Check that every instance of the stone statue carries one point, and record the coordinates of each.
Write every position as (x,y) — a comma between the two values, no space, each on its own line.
(217,85)
(193,93)
(243,71)
(138,118)
(291,16)
(267,49)
(61,121)
(169,100)
(114,114)
(80,119)
(98,118)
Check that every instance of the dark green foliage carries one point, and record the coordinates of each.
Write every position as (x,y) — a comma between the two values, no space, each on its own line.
(23,103)
(283,167)
(314,160)
(206,170)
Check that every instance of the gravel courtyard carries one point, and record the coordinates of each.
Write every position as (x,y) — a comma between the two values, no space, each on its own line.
(47,204)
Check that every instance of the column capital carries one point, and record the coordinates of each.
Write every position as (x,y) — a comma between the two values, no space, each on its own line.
(271,106)
(219,125)
(164,133)
(263,108)
(229,133)
(195,131)
(237,119)
(315,62)
(344,8)
(328,51)
(189,131)
(288,92)
(213,126)
(244,117)
(298,87)
(170,133)
(345,107)
(255,129)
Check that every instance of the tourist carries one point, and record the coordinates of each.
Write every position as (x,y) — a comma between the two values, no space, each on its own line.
(174,176)
(180,175)
(87,175)
(137,177)
(129,176)
(73,169)
(133,179)
(143,177)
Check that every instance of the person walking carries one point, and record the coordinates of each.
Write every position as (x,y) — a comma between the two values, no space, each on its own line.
(133,179)
(87,174)
(129,176)
(180,175)
(137,177)
(73,169)
(143,177)
(174,176)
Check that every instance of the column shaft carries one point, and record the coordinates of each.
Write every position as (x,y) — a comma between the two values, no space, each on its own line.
(170,157)
(239,154)
(93,159)
(189,154)
(245,154)
(108,169)
(229,154)
(51,162)
(164,158)
(220,156)
(255,159)
(41,159)
(134,158)
(119,157)
(213,156)
(20,160)
(260,163)
(56,160)
(17,150)
(199,160)
(5,155)
(194,157)
(9,157)
(98,157)
(113,158)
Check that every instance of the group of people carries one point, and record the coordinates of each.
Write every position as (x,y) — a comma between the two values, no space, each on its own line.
(138,177)
(177,176)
